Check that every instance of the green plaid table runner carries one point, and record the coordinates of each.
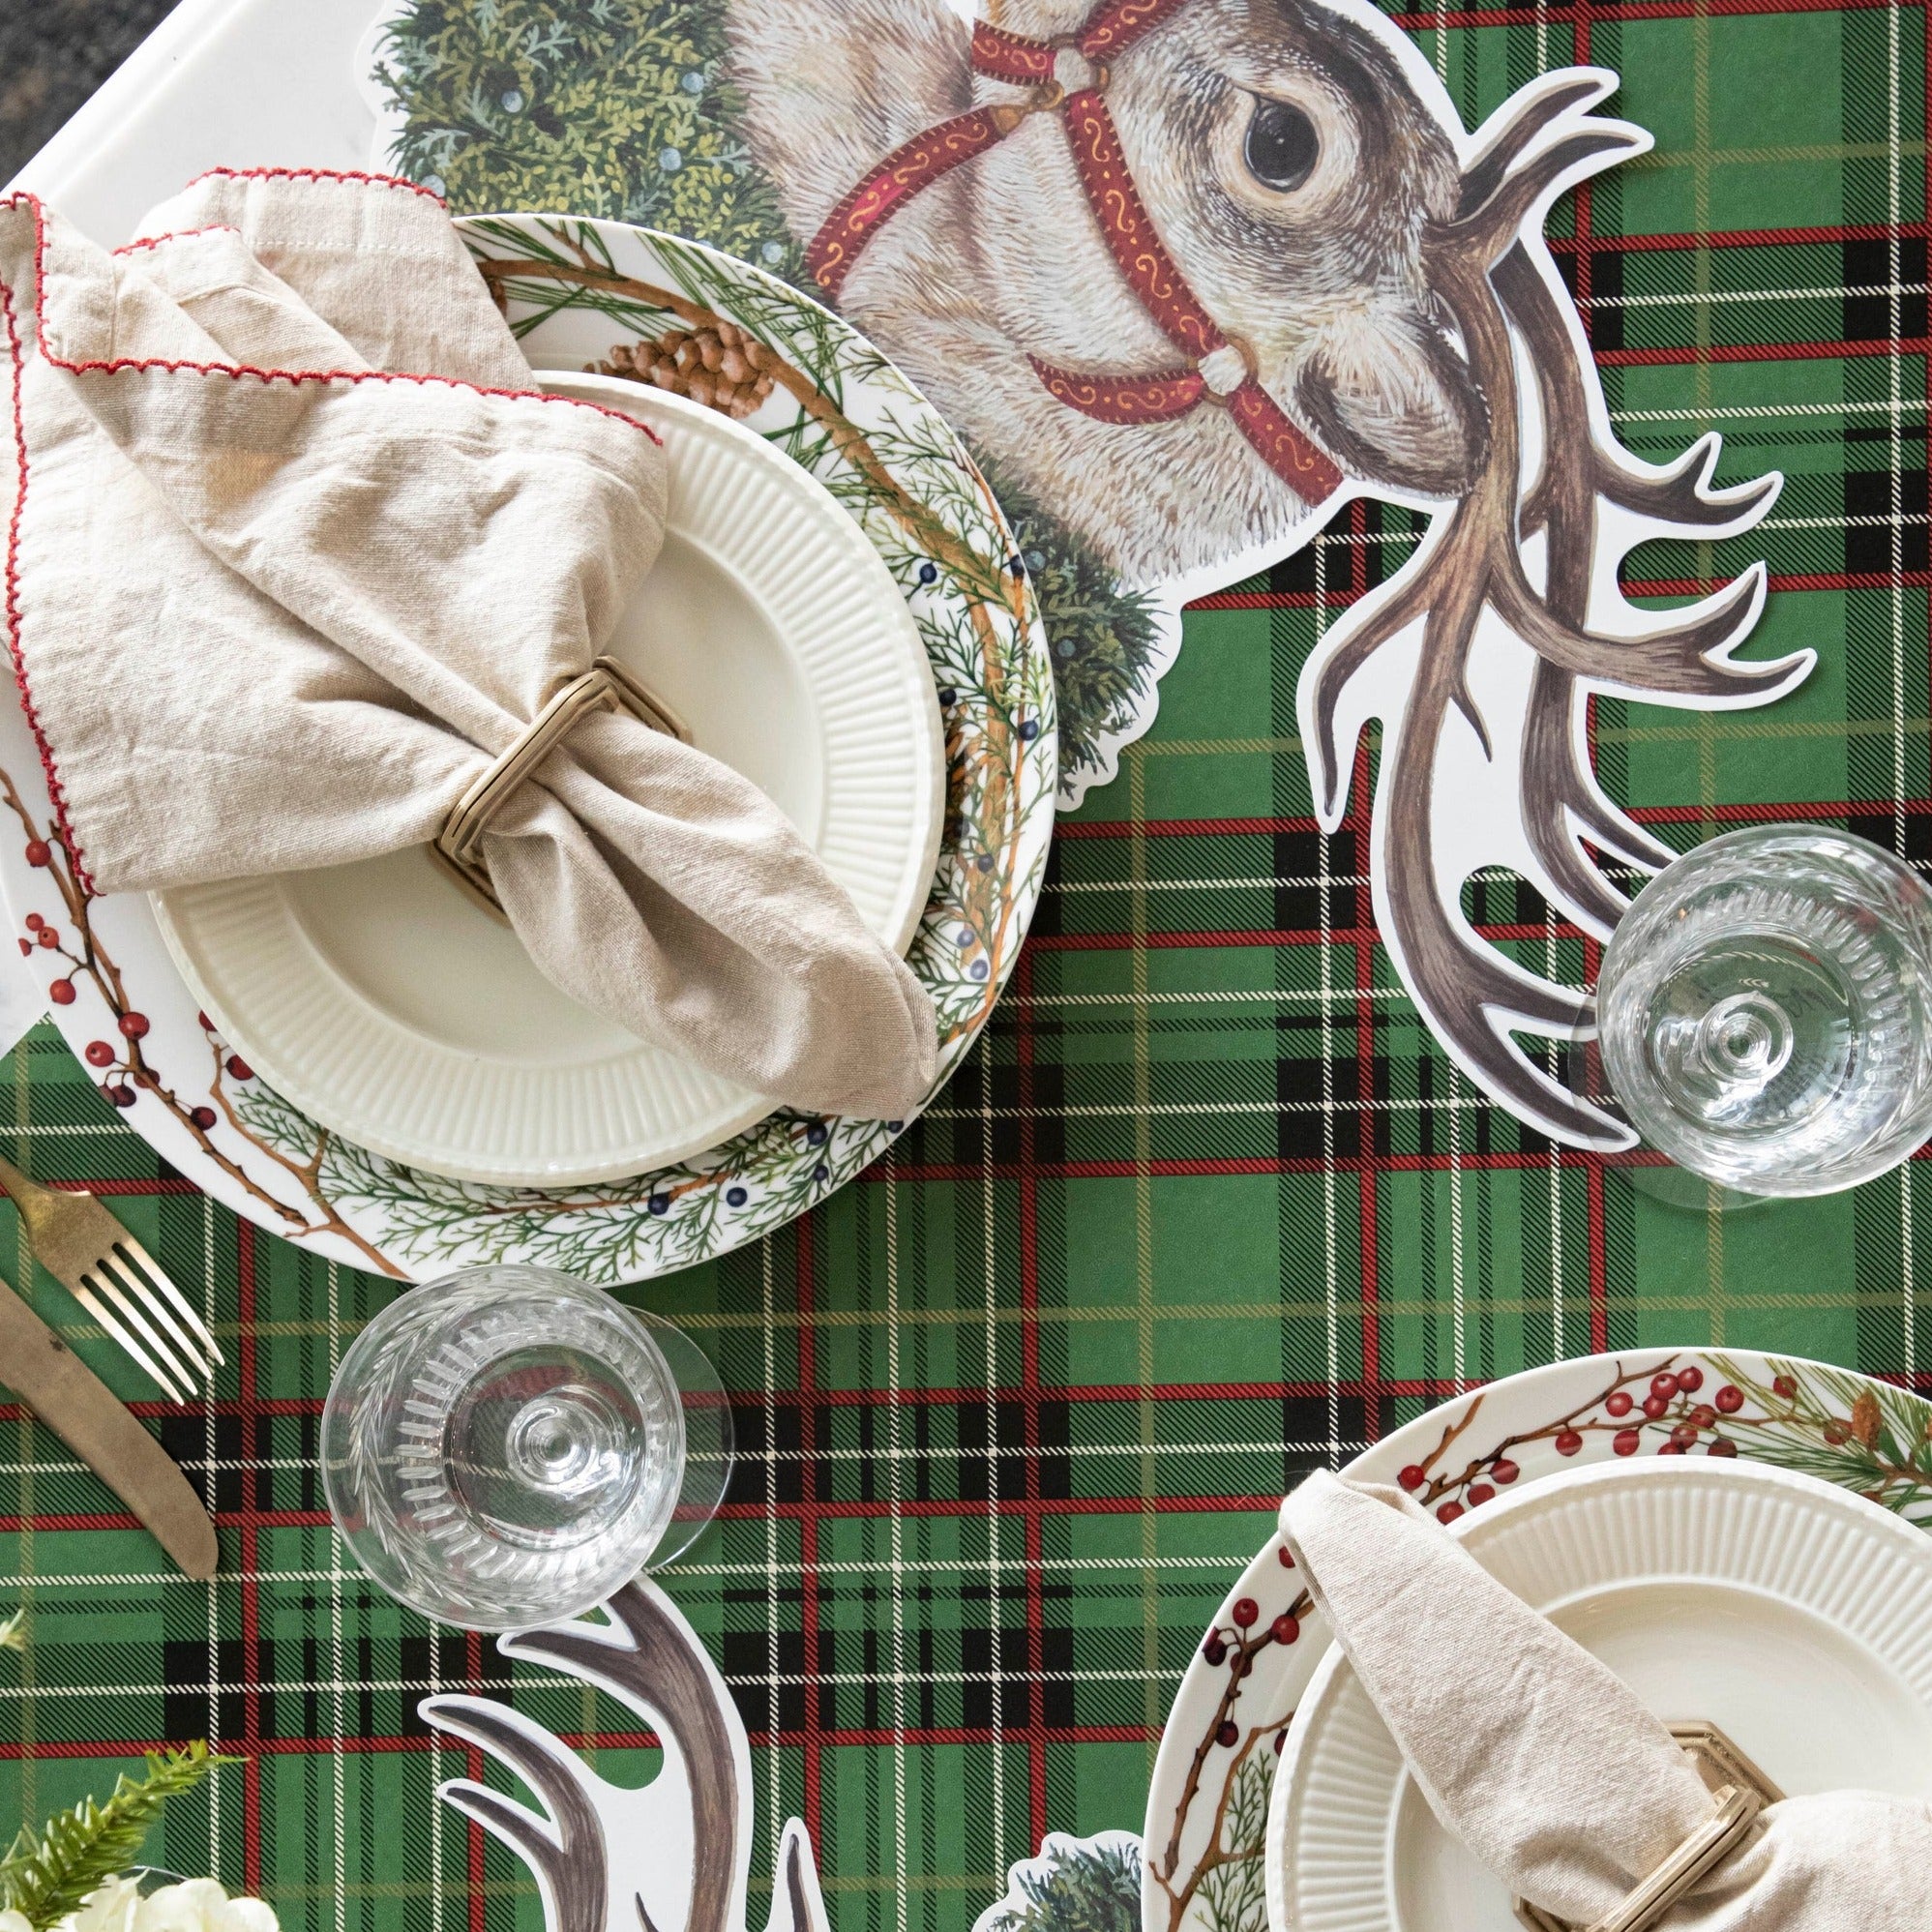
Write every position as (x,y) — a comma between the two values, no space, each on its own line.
(1206,1207)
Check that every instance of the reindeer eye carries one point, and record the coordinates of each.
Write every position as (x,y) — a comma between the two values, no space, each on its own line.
(1283,146)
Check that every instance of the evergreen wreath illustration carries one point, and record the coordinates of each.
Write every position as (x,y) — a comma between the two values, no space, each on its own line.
(1189,276)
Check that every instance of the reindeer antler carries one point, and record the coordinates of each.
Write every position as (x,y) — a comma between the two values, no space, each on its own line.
(660,1672)
(564,1852)
(649,1657)
(1470,605)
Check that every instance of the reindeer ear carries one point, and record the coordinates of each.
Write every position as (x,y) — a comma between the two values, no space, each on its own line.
(1388,395)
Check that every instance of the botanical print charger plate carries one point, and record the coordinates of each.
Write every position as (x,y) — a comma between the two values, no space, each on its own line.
(1208,1809)
(632,304)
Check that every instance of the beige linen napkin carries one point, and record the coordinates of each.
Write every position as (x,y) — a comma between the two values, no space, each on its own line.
(293,551)
(1548,1767)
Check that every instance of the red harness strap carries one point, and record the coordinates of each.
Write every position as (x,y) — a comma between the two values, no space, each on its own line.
(1123,220)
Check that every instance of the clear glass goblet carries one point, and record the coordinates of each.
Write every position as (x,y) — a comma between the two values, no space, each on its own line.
(507,1446)
(1765,1011)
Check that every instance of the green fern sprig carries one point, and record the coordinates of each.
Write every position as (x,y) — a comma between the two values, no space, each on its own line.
(77,1853)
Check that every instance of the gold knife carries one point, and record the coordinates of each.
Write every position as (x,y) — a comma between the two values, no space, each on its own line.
(90,1419)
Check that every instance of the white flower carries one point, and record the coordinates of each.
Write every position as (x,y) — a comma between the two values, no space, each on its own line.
(110,1909)
(14,1921)
(197,1905)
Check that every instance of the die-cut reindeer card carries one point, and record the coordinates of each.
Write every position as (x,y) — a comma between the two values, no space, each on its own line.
(674,1854)
(1190,275)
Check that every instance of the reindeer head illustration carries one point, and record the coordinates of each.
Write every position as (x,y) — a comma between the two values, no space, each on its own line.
(1290,166)
(1193,270)
(1291,172)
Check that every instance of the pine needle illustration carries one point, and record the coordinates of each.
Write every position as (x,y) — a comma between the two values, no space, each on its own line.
(78,1852)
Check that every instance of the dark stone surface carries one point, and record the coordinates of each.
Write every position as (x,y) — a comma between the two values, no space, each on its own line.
(53,54)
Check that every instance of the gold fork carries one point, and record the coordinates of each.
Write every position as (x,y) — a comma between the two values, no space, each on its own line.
(99,1262)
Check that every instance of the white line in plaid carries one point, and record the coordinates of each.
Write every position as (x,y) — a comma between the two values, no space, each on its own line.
(744,1680)
(1330,1271)
(1710,412)
(1238,1551)
(1705,298)
(1896,371)
(1192,1109)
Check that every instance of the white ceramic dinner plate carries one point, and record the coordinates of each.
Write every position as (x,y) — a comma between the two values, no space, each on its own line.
(1793,1614)
(382,1003)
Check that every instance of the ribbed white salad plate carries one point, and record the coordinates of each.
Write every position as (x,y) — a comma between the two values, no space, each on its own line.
(1791,1613)
(382,1003)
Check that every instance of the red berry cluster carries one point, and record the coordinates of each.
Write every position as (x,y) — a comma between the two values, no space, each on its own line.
(1672,1394)
(40,934)
(1502,1471)
(1245,1614)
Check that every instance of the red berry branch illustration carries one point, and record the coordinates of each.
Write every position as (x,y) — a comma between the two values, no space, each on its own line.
(1662,1394)
(1822,1421)
(1227,1875)
(122,1061)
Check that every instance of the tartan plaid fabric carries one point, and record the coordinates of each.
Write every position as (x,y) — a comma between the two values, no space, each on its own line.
(1206,1207)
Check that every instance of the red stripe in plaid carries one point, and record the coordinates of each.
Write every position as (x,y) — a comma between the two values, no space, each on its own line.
(1029,1382)
(1660,358)
(1638,9)
(251,1739)
(1668,243)
(1369,1248)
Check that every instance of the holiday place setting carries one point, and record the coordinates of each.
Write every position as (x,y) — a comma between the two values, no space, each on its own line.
(973,968)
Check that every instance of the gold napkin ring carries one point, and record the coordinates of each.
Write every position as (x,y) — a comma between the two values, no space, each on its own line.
(607,686)
(1710,1845)
(1738,1788)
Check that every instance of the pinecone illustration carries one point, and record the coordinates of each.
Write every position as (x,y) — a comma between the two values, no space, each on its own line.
(721,365)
